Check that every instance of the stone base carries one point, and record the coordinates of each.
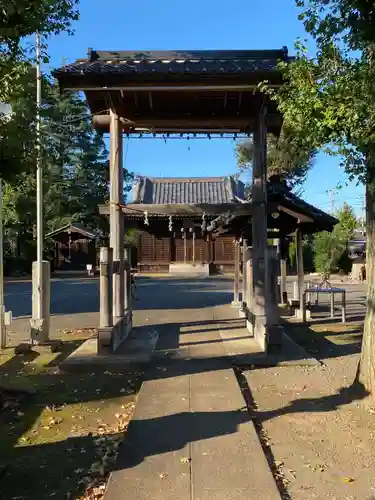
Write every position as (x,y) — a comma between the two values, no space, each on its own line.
(356,274)
(48,347)
(189,270)
(298,314)
(110,338)
(293,303)
(134,354)
(22,349)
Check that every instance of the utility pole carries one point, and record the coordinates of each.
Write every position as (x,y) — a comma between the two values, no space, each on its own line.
(41,273)
(2,306)
(332,193)
(364,213)
(5,318)
(39,167)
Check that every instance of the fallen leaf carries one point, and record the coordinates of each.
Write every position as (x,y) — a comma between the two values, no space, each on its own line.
(348,480)
(163,475)
(186,460)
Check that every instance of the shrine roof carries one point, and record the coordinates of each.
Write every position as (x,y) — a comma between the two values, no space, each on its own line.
(310,217)
(189,191)
(173,62)
(74,227)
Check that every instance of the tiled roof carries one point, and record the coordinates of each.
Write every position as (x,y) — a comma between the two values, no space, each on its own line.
(158,191)
(175,62)
(74,227)
(278,192)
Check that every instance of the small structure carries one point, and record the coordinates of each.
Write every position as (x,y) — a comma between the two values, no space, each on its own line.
(172,215)
(357,254)
(75,247)
(187,93)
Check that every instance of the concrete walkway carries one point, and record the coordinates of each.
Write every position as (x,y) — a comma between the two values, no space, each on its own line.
(191,437)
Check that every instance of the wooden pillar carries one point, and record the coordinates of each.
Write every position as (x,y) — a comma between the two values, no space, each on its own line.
(116,219)
(283,273)
(236,284)
(127,285)
(193,247)
(184,237)
(244,273)
(259,230)
(300,271)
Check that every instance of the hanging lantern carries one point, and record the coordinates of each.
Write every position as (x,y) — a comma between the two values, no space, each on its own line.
(170,225)
(146,222)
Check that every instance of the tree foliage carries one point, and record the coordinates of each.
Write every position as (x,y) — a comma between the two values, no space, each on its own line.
(23,18)
(330,249)
(286,157)
(329,100)
(19,20)
(75,164)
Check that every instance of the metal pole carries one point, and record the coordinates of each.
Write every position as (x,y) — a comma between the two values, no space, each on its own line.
(2,307)
(39,179)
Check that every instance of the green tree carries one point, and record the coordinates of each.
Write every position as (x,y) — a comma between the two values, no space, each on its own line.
(328,101)
(330,249)
(22,18)
(286,157)
(76,172)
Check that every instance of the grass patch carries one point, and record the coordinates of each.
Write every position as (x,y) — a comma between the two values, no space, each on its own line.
(325,340)
(61,440)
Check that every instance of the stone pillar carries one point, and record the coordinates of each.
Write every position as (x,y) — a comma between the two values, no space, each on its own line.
(116,219)
(236,283)
(106,304)
(274,331)
(40,322)
(127,287)
(248,293)
(300,271)
(259,230)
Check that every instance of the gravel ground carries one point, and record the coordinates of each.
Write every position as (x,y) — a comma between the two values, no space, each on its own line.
(320,430)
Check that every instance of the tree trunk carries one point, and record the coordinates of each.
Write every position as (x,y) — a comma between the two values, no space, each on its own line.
(366,373)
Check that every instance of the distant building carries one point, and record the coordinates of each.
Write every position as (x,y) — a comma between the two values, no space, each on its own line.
(181,238)
(74,247)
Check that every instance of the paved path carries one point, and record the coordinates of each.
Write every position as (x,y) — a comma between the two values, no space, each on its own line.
(191,437)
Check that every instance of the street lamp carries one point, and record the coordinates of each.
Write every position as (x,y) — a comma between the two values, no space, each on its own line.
(5,116)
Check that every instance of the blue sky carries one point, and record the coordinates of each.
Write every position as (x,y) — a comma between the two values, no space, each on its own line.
(204,24)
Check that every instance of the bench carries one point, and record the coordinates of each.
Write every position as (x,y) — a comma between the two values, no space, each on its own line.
(329,290)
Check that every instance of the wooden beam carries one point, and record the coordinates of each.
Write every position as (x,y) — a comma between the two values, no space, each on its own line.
(296,215)
(157,124)
(182,209)
(177,87)
(199,124)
